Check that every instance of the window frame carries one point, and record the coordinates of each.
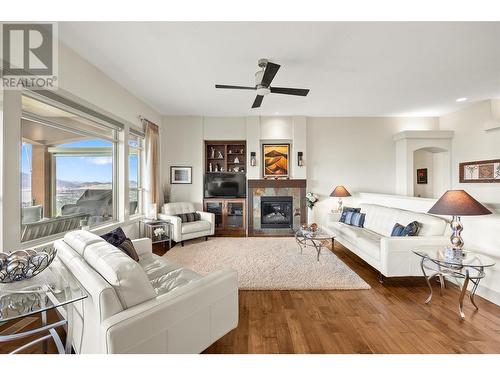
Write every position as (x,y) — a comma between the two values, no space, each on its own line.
(139,137)
(114,140)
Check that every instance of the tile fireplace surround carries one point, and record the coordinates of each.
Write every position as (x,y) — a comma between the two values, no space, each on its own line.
(275,188)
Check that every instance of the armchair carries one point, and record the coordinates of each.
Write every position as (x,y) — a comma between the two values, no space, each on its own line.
(186,231)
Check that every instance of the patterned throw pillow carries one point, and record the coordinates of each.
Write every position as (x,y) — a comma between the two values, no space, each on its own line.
(346,210)
(409,231)
(397,230)
(115,237)
(412,229)
(189,217)
(358,219)
(128,248)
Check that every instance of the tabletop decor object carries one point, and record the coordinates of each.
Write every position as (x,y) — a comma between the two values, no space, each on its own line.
(24,264)
(340,192)
(457,203)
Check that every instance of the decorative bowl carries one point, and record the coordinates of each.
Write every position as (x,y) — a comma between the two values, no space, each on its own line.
(24,264)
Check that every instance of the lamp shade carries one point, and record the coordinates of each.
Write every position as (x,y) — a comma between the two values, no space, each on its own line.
(340,191)
(458,203)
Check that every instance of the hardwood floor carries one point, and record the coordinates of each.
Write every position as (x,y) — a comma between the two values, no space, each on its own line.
(389,318)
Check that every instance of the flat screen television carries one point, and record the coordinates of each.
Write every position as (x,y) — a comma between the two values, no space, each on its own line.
(225,185)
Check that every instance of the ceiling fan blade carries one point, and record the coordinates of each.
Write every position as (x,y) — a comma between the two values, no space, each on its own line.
(289,91)
(235,87)
(269,73)
(258,101)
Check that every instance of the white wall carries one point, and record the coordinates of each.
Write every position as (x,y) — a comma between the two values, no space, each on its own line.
(472,143)
(182,145)
(79,81)
(357,152)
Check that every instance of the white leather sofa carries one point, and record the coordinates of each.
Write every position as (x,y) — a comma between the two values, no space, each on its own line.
(187,231)
(391,256)
(150,306)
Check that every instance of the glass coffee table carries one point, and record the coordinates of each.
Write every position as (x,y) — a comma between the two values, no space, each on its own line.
(469,267)
(307,238)
(53,288)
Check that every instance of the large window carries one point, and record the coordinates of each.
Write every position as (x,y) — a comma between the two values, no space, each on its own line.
(68,169)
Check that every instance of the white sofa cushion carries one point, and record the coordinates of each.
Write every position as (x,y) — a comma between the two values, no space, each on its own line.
(381,219)
(156,266)
(80,239)
(369,243)
(174,279)
(195,226)
(178,208)
(124,274)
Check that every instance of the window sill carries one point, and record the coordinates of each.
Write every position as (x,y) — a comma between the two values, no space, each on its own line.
(97,230)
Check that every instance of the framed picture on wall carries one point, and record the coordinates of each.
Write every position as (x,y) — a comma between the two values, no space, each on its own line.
(181,175)
(422,176)
(276,159)
(484,171)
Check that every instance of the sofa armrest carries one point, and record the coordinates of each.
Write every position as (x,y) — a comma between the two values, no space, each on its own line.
(143,246)
(185,320)
(210,217)
(176,226)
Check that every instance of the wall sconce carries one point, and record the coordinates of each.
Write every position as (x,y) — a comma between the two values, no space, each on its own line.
(253,159)
(300,160)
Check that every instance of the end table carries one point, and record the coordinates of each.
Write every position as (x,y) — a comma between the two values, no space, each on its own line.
(159,231)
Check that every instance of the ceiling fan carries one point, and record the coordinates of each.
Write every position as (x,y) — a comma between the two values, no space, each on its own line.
(263,79)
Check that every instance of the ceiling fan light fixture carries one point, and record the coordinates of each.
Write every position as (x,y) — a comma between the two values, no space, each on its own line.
(262,90)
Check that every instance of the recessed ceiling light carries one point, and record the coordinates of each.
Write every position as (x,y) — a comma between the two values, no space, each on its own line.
(459,100)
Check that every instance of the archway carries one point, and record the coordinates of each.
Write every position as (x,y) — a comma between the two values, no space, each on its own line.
(431,172)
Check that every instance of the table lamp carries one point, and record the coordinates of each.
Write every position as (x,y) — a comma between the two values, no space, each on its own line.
(458,203)
(340,192)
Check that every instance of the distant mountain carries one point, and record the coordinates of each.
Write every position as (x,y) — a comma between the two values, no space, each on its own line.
(62,184)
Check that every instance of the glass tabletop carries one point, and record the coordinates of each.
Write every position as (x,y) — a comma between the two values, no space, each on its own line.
(468,258)
(319,234)
(52,288)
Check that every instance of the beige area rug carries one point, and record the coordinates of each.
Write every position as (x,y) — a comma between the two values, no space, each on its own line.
(268,263)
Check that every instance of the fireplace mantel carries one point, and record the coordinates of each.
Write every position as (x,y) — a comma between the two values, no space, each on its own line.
(277,183)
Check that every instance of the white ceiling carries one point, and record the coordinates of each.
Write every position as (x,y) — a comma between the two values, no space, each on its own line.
(352,69)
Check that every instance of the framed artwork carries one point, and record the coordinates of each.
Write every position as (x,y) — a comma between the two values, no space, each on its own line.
(276,158)
(181,175)
(485,171)
(422,176)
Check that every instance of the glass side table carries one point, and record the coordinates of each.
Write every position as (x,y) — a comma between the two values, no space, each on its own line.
(315,239)
(159,231)
(53,288)
(469,267)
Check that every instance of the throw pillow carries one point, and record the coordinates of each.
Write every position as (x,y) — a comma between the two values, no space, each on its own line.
(409,231)
(345,210)
(128,248)
(348,217)
(358,219)
(189,217)
(412,229)
(397,230)
(115,237)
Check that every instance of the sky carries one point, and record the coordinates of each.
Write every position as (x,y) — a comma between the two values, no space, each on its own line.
(82,169)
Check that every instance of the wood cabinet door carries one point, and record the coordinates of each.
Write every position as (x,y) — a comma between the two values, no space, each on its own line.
(235,218)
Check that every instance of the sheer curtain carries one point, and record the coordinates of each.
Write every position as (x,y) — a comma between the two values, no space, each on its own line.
(151,175)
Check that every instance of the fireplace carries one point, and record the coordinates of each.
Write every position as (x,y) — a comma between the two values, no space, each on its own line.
(276,212)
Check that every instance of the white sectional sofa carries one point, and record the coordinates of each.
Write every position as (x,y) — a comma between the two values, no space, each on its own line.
(150,306)
(391,256)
